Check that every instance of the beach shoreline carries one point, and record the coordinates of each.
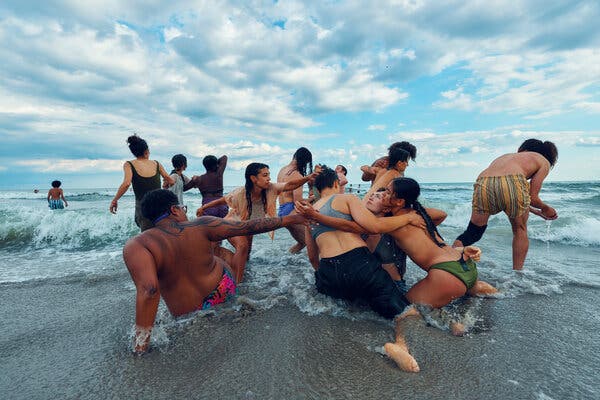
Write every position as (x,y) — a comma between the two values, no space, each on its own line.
(281,352)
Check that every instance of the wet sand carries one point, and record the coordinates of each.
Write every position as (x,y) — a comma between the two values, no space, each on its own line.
(69,339)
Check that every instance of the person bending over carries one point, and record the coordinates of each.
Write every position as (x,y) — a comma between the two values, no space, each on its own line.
(175,260)
(512,184)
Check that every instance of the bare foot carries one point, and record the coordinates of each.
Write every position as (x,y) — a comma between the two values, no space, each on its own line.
(483,289)
(410,311)
(295,249)
(401,357)
(457,328)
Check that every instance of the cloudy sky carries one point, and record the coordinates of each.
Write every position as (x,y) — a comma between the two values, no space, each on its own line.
(465,81)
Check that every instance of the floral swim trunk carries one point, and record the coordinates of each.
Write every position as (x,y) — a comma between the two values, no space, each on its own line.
(225,290)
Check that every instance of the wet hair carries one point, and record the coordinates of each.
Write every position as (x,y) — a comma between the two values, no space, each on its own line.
(409,190)
(137,145)
(547,149)
(395,155)
(344,170)
(326,178)
(253,169)
(410,148)
(56,184)
(179,161)
(158,202)
(303,157)
(210,163)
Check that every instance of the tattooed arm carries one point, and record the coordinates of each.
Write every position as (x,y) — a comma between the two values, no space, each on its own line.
(225,228)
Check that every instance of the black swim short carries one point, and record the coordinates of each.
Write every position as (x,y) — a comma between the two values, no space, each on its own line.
(357,274)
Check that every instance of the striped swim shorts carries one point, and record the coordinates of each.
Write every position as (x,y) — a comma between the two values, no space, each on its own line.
(508,193)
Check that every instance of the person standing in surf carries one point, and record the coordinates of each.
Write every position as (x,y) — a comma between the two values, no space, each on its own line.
(144,174)
(512,184)
(56,197)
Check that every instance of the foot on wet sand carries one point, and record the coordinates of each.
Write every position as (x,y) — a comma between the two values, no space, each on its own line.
(457,328)
(401,357)
(295,249)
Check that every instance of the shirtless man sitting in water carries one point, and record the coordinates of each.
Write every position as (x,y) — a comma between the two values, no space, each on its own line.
(175,260)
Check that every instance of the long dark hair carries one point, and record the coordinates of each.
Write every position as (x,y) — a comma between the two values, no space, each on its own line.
(303,157)
(252,170)
(409,190)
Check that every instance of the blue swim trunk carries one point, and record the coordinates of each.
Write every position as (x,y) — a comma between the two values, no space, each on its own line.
(55,204)
(285,209)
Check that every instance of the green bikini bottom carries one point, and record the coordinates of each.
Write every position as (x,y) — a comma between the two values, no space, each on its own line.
(466,271)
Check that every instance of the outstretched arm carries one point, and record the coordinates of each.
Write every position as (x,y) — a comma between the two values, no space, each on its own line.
(192,183)
(372,224)
(225,228)
(343,225)
(214,203)
(295,183)
(123,188)
(365,220)
(535,186)
(165,176)
(368,175)
(143,271)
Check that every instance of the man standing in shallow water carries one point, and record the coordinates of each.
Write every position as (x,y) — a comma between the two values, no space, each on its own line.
(175,260)
(504,186)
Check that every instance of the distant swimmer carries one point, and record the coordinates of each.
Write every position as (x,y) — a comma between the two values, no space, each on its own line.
(175,260)
(36,190)
(512,184)
(210,184)
(56,197)
(300,166)
(144,174)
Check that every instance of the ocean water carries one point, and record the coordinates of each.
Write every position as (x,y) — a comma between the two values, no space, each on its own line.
(68,306)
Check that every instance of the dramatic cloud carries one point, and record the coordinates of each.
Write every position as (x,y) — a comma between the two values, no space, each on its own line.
(260,79)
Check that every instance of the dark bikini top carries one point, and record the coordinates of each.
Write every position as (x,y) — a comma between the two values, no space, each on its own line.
(142,184)
(316,230)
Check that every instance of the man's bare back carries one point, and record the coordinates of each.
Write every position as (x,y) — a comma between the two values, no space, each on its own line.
(175,258)
(286,174)
(526,163)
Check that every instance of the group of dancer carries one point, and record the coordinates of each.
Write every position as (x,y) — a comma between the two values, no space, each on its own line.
(357,247)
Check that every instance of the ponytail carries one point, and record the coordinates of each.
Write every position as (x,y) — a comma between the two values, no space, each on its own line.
(431,228)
